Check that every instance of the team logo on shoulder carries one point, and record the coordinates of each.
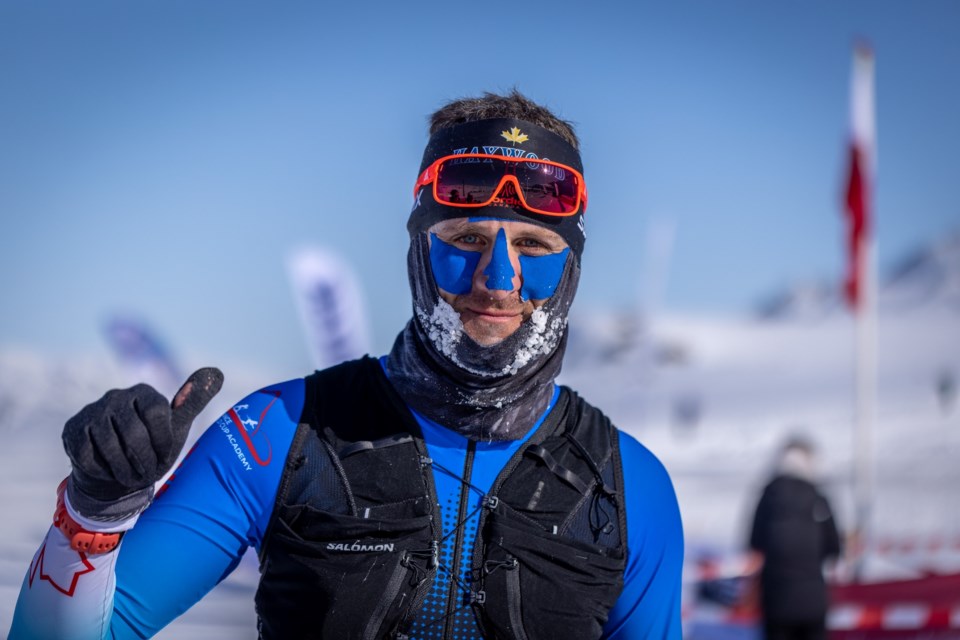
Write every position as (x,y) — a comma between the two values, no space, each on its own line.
(240,420)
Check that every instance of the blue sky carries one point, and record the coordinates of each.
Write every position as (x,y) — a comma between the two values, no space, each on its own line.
(162,158)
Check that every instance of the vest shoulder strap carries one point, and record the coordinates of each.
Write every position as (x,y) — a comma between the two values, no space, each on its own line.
(353,427)
(352,525)
(570,478)
(552,554)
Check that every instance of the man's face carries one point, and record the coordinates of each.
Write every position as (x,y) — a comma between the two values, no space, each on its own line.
(493,298)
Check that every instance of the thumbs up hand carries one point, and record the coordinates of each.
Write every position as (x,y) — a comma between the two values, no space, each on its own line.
(123,443)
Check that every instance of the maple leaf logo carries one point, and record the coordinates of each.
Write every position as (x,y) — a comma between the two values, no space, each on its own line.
(514,135)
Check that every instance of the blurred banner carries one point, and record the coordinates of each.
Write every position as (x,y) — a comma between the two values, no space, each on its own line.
(143,357)
(330,305)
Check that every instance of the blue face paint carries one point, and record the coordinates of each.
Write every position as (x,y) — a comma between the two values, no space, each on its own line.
(453,268)
(500,272)
(541,274)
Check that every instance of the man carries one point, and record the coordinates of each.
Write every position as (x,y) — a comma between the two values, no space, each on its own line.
(447,490)
(794,531)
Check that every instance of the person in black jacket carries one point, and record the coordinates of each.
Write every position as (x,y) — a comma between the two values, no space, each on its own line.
(794,530)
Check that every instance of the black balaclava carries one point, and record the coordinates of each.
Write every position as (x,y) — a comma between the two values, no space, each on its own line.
(494,392)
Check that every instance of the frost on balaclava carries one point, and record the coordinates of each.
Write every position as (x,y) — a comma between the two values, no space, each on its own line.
(494,392)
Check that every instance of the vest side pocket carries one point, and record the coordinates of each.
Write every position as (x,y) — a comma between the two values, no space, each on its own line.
(567,586)
(329,572)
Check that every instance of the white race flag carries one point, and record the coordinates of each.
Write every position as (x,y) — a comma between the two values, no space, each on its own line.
(330,305)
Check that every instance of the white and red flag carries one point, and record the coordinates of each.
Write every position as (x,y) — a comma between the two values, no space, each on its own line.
(859,201)
(859,289)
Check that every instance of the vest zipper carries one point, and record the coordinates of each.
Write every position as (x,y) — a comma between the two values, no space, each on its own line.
(458,543)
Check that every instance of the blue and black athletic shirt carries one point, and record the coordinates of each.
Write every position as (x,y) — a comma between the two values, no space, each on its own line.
(219,501)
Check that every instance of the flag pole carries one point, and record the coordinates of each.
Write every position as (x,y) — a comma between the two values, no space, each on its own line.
(861,294)
(866,347)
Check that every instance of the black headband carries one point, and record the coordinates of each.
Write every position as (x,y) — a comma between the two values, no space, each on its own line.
(499,136)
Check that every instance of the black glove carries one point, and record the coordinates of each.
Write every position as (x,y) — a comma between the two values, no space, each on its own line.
(126,441)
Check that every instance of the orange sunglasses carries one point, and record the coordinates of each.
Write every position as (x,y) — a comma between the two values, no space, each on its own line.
(478,179)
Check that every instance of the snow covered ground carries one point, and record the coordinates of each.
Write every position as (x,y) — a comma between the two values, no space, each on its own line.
(712,397)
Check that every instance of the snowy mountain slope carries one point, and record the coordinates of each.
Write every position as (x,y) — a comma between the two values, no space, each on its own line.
(928,276)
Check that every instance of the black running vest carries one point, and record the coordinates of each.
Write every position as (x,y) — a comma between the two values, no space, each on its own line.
(352,546)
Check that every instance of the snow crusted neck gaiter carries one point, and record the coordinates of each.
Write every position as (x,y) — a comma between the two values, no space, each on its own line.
(484,393)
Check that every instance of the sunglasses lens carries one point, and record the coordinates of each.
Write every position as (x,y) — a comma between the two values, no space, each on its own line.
(545,187)
(548,187)
(468,180)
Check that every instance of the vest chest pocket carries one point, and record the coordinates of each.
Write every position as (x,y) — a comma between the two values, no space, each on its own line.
(329,575)
(567,586)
